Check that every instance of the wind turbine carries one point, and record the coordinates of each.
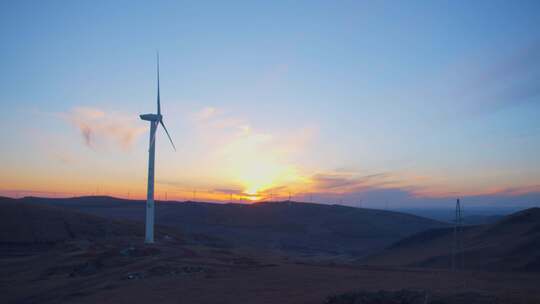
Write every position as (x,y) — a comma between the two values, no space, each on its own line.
(155,120)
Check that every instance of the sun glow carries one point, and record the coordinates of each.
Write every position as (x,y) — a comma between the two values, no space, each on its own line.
(253,163)
(259,176)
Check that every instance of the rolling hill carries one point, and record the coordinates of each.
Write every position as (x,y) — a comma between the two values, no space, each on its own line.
(510,244)
(23,223)
(301,228)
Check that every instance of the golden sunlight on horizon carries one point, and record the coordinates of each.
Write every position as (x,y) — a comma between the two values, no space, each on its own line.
(260,176)
(252,161)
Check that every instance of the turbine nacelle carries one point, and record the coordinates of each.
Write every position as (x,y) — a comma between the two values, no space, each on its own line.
(151,117)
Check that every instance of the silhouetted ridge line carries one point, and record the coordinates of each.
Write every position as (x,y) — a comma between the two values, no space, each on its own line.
(297,228)
(482,244)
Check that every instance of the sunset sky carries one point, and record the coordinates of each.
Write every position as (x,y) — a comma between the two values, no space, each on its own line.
(381,102)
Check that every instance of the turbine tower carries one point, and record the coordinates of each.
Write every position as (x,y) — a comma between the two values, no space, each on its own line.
(155,120)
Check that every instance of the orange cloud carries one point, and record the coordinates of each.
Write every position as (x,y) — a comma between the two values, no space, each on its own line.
(97,127)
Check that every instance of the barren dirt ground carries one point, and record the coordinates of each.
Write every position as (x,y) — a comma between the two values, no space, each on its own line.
(172,272)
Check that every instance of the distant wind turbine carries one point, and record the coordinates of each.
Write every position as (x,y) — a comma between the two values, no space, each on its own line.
(155,120)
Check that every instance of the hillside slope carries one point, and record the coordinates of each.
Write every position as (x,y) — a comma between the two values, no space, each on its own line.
(510,244)
(300,228)
(25,223)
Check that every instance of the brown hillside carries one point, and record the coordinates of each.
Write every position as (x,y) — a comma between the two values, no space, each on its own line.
(512,243)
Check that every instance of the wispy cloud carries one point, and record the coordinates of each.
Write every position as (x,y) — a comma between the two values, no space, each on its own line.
(266,163)
(228,191)
(345,182)
(98,127)
(248,156)
(205,113)
(484,86)
(508,81)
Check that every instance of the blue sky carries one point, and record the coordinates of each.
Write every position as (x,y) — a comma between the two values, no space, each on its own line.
(344,99)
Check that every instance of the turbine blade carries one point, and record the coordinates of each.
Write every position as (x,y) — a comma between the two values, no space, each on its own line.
(158,102)
(165,128)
